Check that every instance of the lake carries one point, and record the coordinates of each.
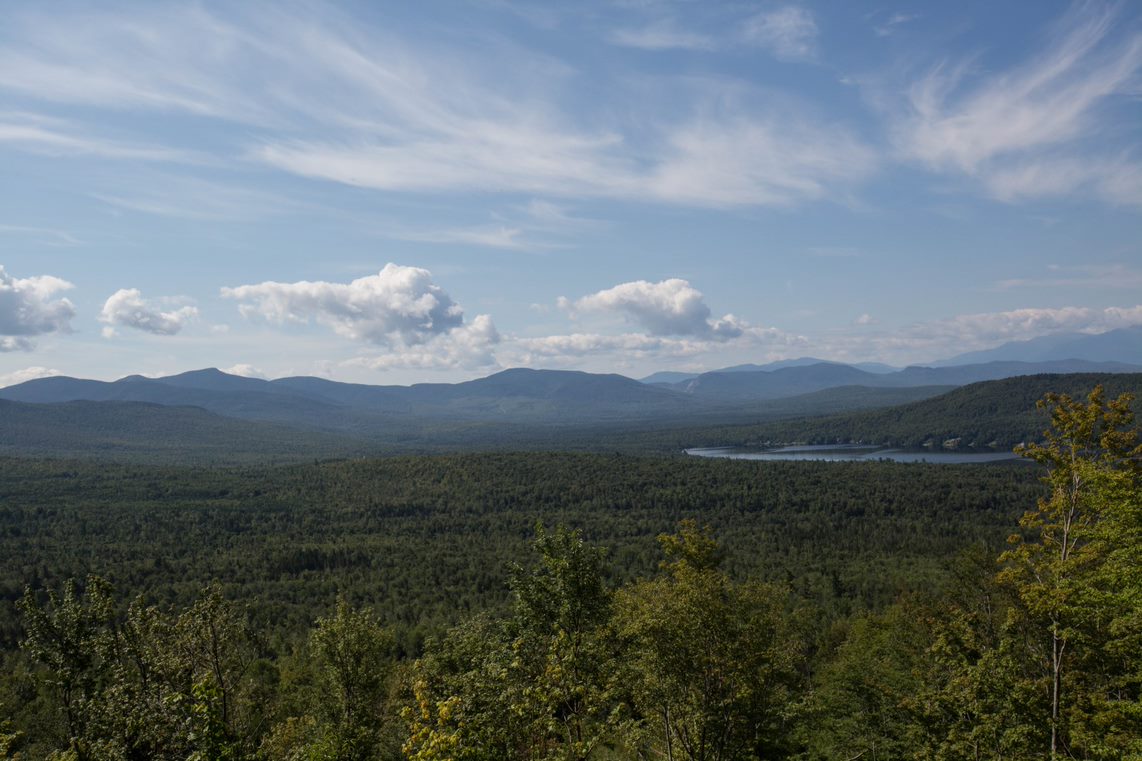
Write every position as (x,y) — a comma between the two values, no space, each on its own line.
(851,453)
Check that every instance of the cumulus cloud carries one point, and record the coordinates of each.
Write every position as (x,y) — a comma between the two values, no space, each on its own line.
(401,308)
(667,308)
(29,307)
(127,308)
(27,374)
(467,347)
(571,349)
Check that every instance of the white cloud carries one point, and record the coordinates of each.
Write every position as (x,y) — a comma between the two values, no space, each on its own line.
(571,349)
(546,215)
(490,237)
(1020,324)
(246,371)
(1116,181)
(1038,129)
(969,332)
(468,347)
(865,319)
(663,34)
(102,60)
(746,161)
(45,136)
(44,236)
(29,307)
(27,374)
(1080,276)
(891,25)
(183,197)
(127,308)
(399,306)
(336,103)
(666,308)
(789,33)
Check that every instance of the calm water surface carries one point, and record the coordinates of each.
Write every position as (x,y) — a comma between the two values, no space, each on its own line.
(850,453)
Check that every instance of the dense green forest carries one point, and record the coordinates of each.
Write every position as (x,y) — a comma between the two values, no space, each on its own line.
(429,539)
(418,607)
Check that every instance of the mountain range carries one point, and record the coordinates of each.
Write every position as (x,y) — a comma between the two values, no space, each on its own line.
(210,415)
(1122,345)
(214,415)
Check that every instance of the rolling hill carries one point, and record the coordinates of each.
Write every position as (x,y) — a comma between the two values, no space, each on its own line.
(156,433)
(991,414)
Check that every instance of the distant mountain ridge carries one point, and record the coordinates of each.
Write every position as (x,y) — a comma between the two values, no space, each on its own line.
(786,381)
(1120,345)
(513,395)
(211,416)
(517,396)
(996,414)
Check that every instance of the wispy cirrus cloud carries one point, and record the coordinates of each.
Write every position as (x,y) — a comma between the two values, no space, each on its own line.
(1079,276)
(327,101)
(789,32)
(1040,128)
(662,34)
(183,196)
(55,137)
(45,236)
(890,24)
(488,236)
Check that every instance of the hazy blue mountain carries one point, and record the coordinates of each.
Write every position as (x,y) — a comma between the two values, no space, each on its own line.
(140,430)
(670,377)
(211,390)
(959,375)
(511,403)
(1121,345)
(990,414)
(875,367)
(771,384)
(787,381)
(519,395)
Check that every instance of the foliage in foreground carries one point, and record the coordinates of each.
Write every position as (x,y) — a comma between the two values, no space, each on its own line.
(1042,659)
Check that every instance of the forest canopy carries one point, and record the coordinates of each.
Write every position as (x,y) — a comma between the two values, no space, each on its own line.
(1031,651)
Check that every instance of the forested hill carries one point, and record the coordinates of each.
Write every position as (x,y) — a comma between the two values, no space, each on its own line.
(993,414)
(156,432)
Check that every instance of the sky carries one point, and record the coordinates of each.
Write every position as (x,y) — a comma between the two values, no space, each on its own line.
(390,192)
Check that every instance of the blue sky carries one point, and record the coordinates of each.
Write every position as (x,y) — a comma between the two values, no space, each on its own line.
(397,192)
